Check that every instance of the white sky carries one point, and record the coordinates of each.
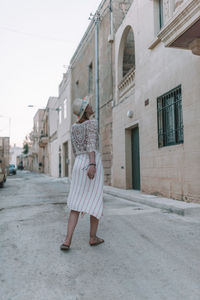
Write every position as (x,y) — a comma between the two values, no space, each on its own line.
(37,38)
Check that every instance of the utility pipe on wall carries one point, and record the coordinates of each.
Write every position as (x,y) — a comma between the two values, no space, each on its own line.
(111,19)
(97,20)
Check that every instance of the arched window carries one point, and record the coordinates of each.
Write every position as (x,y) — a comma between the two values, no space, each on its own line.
(129,52)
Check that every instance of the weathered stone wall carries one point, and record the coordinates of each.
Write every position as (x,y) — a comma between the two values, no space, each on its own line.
(83,57)
(65,125)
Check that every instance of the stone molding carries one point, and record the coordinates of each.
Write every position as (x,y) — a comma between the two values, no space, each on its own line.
(194,46)
(182,20)
(178,3)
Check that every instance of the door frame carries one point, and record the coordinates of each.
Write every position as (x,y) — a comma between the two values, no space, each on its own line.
(59,162)
(128,153)
(65,165)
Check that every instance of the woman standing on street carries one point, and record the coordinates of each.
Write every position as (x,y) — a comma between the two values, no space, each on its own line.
(86,189)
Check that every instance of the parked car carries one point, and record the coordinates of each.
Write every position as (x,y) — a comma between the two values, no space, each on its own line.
(12,169)
(3,173)
(20,166)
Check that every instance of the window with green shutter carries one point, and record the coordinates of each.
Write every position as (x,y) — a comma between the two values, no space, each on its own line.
(170,118)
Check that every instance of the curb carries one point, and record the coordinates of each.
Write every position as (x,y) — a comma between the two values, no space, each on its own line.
(174,206)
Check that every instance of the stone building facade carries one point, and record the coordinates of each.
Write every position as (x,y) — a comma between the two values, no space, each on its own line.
(53,136)
(64,126)
(35,158)
(14,152)
(59,125)
(83,68)
(148,98)
(156,111)
(5,150)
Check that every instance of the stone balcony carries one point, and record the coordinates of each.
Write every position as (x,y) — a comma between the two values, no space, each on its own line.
(33,150)
(34,135)
(182,30)
(127,82)
(44,139)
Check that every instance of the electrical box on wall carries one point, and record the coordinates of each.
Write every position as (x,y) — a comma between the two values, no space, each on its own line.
(110,38)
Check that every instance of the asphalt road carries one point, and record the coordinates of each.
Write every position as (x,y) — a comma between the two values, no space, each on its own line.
(148,253)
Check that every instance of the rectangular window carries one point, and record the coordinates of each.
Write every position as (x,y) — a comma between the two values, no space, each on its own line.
(170,118)
(90,79)
(158,15)
(65,108)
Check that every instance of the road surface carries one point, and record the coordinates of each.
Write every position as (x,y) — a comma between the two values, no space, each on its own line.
(148,254)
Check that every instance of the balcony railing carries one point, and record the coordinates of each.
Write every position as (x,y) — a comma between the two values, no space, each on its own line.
(127,82)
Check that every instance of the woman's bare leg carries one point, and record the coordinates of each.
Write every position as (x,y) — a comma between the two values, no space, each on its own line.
(73,219)
(94,222)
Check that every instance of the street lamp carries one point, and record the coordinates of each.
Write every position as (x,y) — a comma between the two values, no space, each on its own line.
(48,108)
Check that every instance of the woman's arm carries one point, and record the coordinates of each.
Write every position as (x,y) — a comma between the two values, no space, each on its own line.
(92,169)
(92,157)
(92,136)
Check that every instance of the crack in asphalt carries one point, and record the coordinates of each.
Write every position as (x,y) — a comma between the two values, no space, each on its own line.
(33,205)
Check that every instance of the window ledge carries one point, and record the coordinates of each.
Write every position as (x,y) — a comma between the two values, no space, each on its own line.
(154,43)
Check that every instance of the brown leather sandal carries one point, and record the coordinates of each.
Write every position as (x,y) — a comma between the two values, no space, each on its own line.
(64,247)
(99,241)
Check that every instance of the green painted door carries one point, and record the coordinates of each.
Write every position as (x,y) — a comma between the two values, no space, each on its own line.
(59,166)
(135,159)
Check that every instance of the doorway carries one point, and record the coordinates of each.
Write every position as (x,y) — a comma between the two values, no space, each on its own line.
(135,158)
(66,160)
(59,162)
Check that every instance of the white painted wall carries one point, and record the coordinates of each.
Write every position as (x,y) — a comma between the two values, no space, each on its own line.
(173,170)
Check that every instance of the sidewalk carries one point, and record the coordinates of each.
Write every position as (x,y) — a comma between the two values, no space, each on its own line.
(175,206)
(171,205)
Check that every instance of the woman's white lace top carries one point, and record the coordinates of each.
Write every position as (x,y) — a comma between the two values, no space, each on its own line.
(85,137)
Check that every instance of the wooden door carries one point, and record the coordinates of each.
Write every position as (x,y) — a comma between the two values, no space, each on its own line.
(135,159)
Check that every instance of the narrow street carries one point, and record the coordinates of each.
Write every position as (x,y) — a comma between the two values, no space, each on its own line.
(148,254)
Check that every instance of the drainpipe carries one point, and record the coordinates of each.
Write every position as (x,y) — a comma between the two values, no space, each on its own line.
(97,21)
(111,40)
(111,20)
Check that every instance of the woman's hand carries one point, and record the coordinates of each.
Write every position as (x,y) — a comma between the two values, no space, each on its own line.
(91,172)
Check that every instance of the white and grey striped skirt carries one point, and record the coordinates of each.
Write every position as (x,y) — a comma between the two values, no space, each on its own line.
(86,195)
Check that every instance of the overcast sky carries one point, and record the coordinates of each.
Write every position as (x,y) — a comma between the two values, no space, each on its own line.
(37,38)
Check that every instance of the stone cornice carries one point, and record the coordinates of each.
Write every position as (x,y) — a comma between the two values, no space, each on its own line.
(183,18)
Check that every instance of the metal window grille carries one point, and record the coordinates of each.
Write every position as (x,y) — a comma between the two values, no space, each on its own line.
(170,118)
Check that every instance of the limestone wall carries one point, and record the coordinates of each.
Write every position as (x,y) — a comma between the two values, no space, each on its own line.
(172,171)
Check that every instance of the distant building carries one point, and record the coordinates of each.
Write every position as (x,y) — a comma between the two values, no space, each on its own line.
(53,147)
(14,152)
(34,160)
(64,126)
(5,149)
